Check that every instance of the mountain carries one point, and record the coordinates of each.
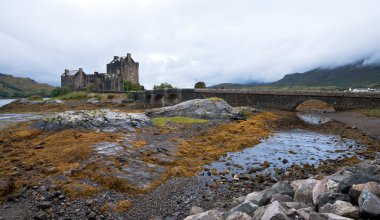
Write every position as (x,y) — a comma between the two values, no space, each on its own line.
(17,87)
(354,75)
(234,85)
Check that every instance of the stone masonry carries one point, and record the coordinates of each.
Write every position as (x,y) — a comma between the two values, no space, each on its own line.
(119,70)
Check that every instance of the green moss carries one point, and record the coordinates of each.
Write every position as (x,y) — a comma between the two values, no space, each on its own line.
(370,112)
(178,120)
(215,99)
(35,98)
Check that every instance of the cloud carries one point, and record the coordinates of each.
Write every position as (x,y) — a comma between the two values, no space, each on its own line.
(185,41)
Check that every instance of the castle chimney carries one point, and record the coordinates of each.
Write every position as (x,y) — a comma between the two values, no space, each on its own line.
(81,70)
(66,71)
(129,58)
(115,57)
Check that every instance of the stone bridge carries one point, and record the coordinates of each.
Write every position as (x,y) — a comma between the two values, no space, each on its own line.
(262,99)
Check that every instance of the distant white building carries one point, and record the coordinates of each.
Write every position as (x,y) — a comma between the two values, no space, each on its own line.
(361,90)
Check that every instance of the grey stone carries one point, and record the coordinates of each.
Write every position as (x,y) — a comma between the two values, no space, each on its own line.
(328,197)
(357,189)
(358,178)
(44,205)
(281,198)
(327,216)
(239,216)
(209,215)
(264,197)
(304,190)
(304,213)
(104,120)
(41,216)
(325,185)
(245,207)
(276,211)
(378,158)
(195,210)
(341,208)
(196,108)
(259,213)
(369,204)
(295,205)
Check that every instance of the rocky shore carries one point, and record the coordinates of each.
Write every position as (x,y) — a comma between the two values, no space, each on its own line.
(351,193)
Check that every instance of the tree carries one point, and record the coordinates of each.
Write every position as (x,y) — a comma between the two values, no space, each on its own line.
(59,91)
(200,85)
(164,85)
(131,86)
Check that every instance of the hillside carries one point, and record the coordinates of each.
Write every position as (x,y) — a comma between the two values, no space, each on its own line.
(17,87)
(347,76)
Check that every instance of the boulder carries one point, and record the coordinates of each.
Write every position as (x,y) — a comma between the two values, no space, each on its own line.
(245,207)
(303,213)
(281,198)
(195,210)
(328,197)
(209,215)
(357,189)
(259,213)
(325,185)
(378,158)
(295,205)
(341,208)
(304,190)
(369,204)
(327,216)
(357,178)
(239,216)
(264,197)
(276,211)
(212,108)
(98,120)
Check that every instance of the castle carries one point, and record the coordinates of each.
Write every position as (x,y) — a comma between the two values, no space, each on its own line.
(119,70)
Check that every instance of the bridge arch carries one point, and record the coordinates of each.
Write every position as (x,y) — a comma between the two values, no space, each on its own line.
(173,98)
(314,105)
(158,99)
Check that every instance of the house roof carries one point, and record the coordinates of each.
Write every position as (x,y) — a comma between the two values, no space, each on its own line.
(71,72)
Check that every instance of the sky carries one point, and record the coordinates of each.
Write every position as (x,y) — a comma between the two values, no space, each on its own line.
(185,41)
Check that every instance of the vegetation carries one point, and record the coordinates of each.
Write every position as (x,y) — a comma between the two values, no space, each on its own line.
(60,91)
(74,95)
(177,120)
(35,98)
(18,87)
(215,99)
(110,96)
(370,112)
(131,86)
(164,85)
(200,85)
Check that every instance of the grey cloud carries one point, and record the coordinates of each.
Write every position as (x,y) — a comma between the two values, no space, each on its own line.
(182,42)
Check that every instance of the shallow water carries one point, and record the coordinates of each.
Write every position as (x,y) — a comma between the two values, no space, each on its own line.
(314,119)
(295,146)
(5,101)
(7,119)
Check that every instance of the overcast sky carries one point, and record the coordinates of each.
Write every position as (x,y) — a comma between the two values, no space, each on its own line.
(184,41)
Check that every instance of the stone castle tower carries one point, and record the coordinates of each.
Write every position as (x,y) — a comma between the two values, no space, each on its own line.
(120,69)
(125,67)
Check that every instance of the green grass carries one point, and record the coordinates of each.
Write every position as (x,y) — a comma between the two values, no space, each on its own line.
(370,112)
(177,120)
(74,95)
(215,99)
(35,98)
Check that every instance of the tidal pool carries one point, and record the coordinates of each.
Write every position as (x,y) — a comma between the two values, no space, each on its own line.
(6,119)
(281,150)
(315,119)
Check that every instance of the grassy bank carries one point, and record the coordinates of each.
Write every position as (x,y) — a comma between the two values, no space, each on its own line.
(370,112)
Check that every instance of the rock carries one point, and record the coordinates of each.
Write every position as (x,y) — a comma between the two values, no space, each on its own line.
(44,205)
(195,210)
(209,215)
(238,117)
(304,190)
(345,185)
(41,215)
(378,158)
(239,216)
(369,204)
(341,208)
(212,108)
(259,213)
(276,211)
(295,205)
(328,197)
(92,216)
(104,120)
(264,197)
(327,216)
(325,185)
(281,198)
(245,207)
(357,189)
(304,213)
